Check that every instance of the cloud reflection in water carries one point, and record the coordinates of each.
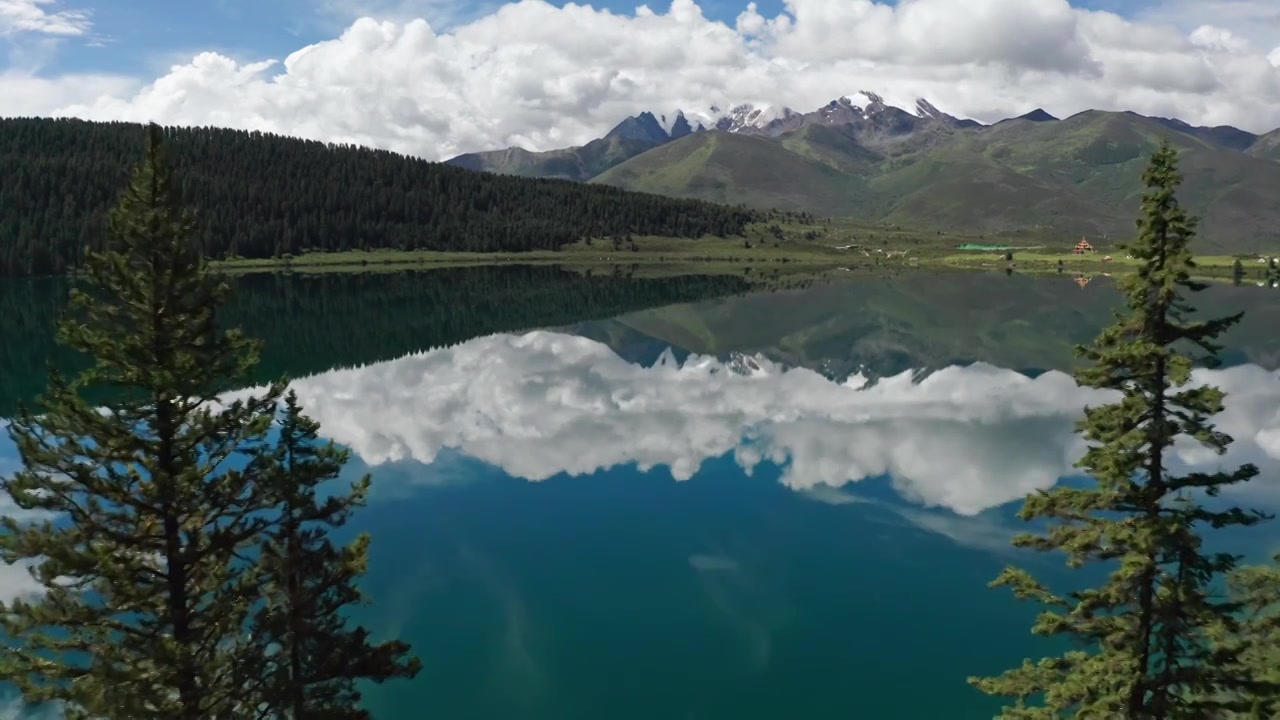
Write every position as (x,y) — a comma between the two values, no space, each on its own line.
(543,403)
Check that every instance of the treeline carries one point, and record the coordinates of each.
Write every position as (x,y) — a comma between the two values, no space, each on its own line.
(259,195)
(312,323)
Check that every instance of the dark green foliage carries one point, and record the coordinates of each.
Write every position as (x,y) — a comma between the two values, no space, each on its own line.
(1256,642)
(310,659)
(143,603)
(1146,634)
(261,195)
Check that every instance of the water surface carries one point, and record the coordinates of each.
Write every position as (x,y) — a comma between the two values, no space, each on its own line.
(682,498)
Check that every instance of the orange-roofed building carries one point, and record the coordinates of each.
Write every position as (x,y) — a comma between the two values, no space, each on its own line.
(1083,247)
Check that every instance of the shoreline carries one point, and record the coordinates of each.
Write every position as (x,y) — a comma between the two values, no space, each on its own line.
(788,257)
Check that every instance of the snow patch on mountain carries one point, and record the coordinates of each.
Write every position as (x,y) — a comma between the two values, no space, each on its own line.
(928,110)
(668,120)
(741,117)
(871,103)
(752,118)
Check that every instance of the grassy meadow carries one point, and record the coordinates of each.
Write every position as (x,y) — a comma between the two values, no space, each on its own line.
(775,248)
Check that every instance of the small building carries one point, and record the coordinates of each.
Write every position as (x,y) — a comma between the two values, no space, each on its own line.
(1083,247)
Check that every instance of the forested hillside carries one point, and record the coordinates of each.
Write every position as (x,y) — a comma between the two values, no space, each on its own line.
(262,195)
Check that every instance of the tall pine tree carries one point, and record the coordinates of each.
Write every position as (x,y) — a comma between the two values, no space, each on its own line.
(1144,635)
(143,600)
(311,659)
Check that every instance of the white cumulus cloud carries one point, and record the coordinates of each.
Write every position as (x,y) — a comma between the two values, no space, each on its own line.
(540,76)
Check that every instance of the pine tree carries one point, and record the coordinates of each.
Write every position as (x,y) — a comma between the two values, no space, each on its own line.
(143,600)
(1144,635)
(1255,643)
(311,659)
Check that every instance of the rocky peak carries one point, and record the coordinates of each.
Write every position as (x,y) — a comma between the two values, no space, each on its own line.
(640,127)
(680,126)
(875,103)
(1037,115)
(929,111)
(750,118)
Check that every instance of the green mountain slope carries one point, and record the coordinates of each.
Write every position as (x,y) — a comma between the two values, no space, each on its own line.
(732,168)
(834,147)
(259,195)
(958,187)
(1049,180)
(1099,156)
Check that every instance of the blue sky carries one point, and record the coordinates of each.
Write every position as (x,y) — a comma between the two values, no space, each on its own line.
(145,37)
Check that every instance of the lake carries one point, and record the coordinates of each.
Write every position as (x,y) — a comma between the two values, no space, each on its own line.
(698,497)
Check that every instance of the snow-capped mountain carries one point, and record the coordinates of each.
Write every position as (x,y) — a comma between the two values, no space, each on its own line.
(745,117)
(865,117)
(749,117)
(863,108)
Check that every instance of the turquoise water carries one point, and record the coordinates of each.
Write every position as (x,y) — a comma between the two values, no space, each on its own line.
(566,534)
(707,502)
(628,594)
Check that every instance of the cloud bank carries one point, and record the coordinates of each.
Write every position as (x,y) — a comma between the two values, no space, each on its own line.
(964,438)
(540,76)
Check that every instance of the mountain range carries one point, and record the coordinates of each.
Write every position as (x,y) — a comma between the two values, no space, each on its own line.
(1034,176)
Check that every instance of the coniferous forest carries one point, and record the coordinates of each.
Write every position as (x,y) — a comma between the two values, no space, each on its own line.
(179,585)
(259,195)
